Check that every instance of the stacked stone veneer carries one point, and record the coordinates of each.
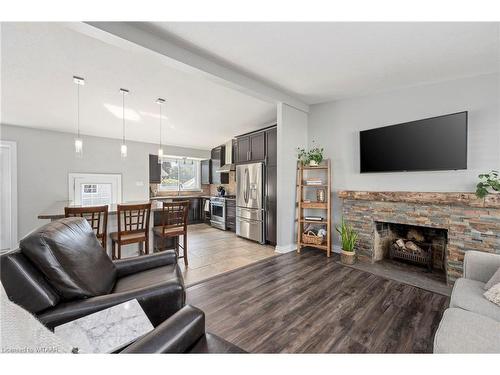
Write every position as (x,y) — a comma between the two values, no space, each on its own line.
(472,223)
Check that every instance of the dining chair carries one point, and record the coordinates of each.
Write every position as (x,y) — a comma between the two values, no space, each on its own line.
(174,216)
(133,227)
(97,216)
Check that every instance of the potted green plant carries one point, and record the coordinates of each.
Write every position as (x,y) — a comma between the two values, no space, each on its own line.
(489,183)
(302,155)
(348,238)
(315,156)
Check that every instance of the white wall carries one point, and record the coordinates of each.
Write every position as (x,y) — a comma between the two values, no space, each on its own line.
(336,126)
(44,159)
(292,133)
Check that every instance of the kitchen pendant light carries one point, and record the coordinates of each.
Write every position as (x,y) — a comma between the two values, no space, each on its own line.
(160,102)
(123,147)
(79,81)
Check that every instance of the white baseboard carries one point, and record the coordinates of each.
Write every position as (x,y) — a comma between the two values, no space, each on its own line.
(285,248)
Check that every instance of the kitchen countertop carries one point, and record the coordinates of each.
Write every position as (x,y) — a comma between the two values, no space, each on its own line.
(179,197)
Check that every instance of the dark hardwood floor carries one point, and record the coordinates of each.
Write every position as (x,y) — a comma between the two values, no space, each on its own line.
(307,303)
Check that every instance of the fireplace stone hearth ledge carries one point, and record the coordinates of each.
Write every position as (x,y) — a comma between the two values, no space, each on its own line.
(472,223)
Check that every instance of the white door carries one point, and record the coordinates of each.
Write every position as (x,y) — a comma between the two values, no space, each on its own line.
(8,201)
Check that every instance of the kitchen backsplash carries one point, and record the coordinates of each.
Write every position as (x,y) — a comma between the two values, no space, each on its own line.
(211,189)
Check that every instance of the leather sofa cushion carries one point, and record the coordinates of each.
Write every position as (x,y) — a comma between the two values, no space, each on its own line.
(71,258)
(24,284)
(149,277)
(212,344)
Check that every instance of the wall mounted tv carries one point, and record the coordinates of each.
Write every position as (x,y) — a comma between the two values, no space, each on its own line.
(432,144)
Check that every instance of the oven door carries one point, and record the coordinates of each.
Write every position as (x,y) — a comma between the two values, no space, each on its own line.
(218,215)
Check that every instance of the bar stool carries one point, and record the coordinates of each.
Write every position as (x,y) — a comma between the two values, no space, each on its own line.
(133,227)
(97,216)
(173,224)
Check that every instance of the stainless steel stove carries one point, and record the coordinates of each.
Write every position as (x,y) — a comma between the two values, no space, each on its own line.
(218,211)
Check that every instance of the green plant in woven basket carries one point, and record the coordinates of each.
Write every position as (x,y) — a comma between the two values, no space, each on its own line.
(487,182)
(348,236)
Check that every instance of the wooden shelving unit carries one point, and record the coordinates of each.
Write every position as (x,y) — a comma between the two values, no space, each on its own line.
(324,207)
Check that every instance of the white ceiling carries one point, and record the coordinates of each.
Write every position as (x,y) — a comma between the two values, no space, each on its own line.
(40,59)
(319,62)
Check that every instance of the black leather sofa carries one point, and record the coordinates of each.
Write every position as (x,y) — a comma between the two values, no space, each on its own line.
(61,273)
(184,332)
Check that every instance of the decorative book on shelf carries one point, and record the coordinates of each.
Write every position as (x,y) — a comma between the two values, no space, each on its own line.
(314,207)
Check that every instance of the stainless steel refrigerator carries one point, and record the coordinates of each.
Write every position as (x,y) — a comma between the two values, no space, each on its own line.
(250,201)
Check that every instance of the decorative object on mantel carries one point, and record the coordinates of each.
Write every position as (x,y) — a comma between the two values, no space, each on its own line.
(304,238)
(313,157)
(348,238)
(489,184)
(123,147)
(79,81)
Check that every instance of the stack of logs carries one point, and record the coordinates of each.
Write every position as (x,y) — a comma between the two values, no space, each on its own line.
(411,244)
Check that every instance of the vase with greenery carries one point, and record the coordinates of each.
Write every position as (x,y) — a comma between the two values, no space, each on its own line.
(313,157)
(348,238)
(488,183)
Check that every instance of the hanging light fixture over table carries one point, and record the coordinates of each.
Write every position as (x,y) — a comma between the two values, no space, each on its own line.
(160,102)
(123,147)
(79,81)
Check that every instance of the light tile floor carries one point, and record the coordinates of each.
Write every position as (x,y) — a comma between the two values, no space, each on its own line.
(212,252)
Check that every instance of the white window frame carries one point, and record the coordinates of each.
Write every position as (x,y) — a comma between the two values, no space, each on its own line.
(198,174)
(11,146)
(75,179)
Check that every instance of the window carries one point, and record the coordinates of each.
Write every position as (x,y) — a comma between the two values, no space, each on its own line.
(89,189)
(180,174)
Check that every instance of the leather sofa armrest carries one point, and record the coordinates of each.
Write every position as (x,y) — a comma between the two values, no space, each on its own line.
(480,266)
(176,335)
(141,263)
(168,297)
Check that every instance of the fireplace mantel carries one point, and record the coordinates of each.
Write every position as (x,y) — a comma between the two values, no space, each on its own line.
(458,199)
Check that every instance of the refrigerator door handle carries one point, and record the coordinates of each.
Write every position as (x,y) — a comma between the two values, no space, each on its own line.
(247,185)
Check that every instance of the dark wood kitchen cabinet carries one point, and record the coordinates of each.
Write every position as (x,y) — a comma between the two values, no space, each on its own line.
(271,185)
(231,214)
(154,170)
(251,147)
(206,172)
(218,157)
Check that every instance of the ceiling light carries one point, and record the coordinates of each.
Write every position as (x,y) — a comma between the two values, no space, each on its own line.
(123,147)
(160,102)
(79,81)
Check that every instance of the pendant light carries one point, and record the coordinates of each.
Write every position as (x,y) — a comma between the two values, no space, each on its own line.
(79,81)
(123,147)
(160,102)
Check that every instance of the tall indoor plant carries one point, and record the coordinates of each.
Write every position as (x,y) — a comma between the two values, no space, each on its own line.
(348,238)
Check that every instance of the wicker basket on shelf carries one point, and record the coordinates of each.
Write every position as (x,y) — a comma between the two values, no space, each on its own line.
(311,238)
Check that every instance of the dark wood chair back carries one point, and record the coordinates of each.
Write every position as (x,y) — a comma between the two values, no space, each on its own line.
(97,216)
(175,215)
(133,218)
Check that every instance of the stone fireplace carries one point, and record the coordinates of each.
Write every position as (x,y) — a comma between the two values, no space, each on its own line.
(453,222)
(419,245)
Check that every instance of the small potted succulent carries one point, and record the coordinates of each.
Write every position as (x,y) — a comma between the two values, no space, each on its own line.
(349,238)
(489,183)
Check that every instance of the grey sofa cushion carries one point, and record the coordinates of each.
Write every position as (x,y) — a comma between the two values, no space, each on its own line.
(463,331)
(495,279)
(71,258)
(468,295)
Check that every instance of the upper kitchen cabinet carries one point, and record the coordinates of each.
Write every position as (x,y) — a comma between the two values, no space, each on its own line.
(251,147)
(271,147)
(154,170)
(218,156)
(206,172)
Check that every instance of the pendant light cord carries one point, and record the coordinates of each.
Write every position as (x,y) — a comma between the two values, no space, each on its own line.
(123,116)
(78,111)
(160,125)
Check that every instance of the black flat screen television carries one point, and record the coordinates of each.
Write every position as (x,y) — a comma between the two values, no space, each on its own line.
(432,144)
